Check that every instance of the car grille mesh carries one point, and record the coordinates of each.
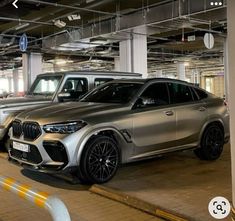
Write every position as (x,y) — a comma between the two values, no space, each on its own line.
(30,130)
(33,157)
(17,128)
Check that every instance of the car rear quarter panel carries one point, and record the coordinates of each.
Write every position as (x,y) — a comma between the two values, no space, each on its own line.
(217,111)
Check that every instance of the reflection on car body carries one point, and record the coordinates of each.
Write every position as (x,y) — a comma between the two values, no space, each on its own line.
(119,122)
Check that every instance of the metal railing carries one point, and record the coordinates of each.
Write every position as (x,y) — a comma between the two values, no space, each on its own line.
(55,206)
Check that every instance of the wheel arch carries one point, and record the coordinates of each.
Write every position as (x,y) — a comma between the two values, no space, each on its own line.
(217,121)
(107,131)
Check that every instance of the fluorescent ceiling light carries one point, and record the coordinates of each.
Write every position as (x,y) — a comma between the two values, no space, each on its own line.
(20,26)
(74,17)
(62,61)
(59,24)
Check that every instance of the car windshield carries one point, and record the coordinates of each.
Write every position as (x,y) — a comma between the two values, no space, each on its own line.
(113,93)
(45,85)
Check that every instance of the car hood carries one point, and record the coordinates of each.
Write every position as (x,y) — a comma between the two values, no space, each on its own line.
(70,111)
(22,101)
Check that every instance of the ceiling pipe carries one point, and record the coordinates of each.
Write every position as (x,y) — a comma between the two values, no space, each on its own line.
(16,36)
(70,7)
(65,15)
(32,22)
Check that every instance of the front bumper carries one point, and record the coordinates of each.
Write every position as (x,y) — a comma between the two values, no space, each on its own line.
(42,168)
(54,149)
(48,152)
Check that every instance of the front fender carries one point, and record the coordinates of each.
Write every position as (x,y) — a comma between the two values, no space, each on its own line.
(126,149)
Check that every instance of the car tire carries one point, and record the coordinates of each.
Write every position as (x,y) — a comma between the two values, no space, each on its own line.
(100,160)
(212,143)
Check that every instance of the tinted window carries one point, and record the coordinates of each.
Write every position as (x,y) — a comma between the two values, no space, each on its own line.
(156,95)
(201,94)
(195,97)
(75,86)
(179,93)
(113,93)
(99,81)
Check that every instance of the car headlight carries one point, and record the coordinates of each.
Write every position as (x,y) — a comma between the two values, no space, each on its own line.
(64,128)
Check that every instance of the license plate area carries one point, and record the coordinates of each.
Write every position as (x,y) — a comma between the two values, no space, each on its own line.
(21,146)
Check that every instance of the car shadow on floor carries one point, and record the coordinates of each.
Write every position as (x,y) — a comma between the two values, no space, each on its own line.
(177,170)
(54,181)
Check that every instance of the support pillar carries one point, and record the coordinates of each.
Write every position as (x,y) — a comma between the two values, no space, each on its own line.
(181,71)
(125,56)
(193,80)
(15,81)
(32,66)
(116,64)
(226,73)
(133,52)
(231,88)
(10,89)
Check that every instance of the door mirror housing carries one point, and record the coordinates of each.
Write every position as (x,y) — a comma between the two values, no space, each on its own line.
(63,96)
(143,102)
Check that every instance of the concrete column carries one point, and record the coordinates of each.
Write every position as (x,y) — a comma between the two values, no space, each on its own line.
(195,76)
(125,56)
(231,83)
(226,83)
(193,80)
(139,51)
(32,66)
(181,71)
(198,80)
(10,89)
(16,80)
(133,52)
(117,64)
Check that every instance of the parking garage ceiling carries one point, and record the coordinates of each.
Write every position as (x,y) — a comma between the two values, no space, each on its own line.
(88,30)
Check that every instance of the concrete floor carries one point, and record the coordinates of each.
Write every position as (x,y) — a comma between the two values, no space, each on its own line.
(179,182)
(82,204)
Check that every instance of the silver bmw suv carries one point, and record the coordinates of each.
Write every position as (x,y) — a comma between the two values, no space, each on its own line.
(119,122)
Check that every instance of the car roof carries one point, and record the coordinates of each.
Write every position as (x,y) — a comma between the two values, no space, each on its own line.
(98,73)
(145,80)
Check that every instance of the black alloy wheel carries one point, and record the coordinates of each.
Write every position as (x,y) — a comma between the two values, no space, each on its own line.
(212,143)
(100,160)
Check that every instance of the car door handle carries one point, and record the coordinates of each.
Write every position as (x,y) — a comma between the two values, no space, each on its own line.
(202,109)
(169,113)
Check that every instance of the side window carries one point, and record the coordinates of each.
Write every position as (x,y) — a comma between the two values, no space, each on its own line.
(195,97)
(201,94)
(99,81)
(155,95)
(76,87)
(179,93)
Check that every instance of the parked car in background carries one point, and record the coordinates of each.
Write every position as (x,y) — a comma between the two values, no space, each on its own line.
(52,88)
(3,93)
(120,121)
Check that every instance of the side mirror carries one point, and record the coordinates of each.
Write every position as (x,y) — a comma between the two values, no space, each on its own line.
(63,96)
(143,102)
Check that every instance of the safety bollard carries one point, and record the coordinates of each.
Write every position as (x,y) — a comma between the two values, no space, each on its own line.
(54,205)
